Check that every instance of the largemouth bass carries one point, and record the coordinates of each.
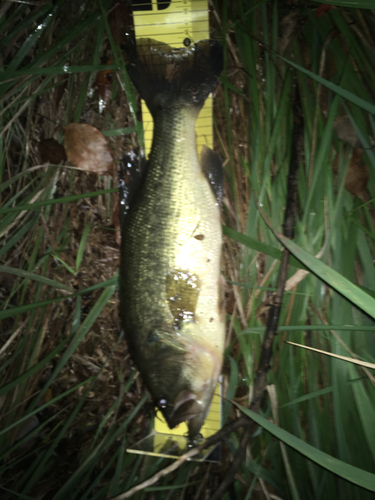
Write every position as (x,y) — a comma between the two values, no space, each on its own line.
(171,294)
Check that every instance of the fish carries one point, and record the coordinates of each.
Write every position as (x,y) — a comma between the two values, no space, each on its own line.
(171,288)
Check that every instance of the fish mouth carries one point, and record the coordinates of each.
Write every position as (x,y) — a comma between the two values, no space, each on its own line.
(202,367)
(188,408)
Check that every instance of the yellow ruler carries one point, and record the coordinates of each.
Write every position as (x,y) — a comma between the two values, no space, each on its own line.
(178,23)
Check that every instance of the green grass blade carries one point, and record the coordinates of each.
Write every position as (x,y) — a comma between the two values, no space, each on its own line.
(82,245)
(25,376)
(259,246)
(15,311)
(351,291)
(35,277)
(367,106)
(78,336)
(231,390)
(65,199)
(42,407)
(353,474)
(355,4)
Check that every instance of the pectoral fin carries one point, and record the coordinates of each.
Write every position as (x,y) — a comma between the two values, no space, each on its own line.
(212,167)
(132,169)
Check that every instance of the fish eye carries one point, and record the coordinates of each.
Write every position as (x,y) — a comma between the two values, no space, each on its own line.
(162,403)
(192,443)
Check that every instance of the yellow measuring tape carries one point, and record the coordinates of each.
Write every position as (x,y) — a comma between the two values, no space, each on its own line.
(178,23)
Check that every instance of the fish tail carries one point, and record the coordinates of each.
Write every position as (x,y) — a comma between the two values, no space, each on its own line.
(163,75)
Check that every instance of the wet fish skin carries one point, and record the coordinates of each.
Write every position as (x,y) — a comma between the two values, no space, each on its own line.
(171,294)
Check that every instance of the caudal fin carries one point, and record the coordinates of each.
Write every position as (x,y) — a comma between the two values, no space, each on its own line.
(162,74)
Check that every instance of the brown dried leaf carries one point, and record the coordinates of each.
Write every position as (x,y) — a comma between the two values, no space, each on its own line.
(50,150)
(87,148)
